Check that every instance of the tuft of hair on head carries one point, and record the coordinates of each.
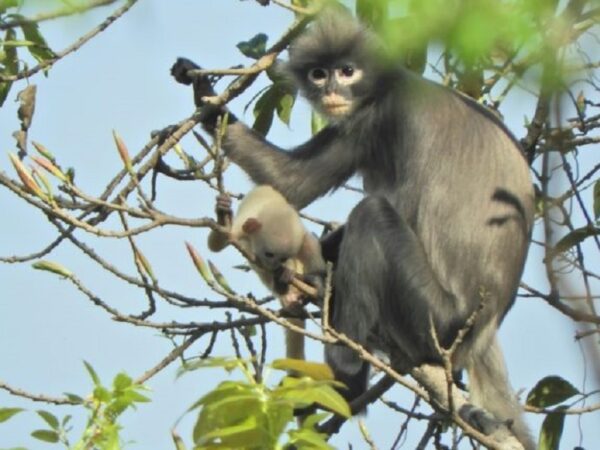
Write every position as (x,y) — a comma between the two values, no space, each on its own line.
(335,34)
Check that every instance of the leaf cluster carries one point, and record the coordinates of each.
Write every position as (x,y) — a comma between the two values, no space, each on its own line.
(549,392)
(105,405)
(252,415)
(23,36)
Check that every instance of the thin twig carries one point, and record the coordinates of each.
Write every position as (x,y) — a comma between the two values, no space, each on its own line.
(74,47)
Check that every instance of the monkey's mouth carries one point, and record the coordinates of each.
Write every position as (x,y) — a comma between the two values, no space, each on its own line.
(337,109)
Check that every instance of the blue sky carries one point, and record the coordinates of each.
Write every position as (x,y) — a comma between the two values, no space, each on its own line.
(120,80)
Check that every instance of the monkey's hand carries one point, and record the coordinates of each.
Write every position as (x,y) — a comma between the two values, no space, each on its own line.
(223,210)
(202,84)
(309,288)
(203,87)
(283,277)
(316,283)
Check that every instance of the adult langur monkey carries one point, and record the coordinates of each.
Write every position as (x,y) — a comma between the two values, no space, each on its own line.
(445,223)
(270,229)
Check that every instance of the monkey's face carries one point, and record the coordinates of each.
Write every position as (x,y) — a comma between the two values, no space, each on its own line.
(332,88)
(270,259)
(271,249)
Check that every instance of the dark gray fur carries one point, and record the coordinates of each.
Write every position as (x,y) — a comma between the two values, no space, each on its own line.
(446,220)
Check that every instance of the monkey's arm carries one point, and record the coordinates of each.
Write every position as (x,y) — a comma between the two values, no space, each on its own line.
(301,175)
(313,262)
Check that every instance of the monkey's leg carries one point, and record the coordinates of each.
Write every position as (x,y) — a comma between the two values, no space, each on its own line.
(294,342)
(386,289)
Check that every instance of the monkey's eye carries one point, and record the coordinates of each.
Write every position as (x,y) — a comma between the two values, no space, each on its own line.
(347,71)
(269,255)
(318,75)
(348,74)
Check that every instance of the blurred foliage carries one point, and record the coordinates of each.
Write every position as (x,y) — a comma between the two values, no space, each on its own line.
(252,415)
(23,36)
(104,405)
(511,39)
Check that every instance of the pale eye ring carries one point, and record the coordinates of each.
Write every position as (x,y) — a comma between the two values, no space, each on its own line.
(318,75)
(348,74)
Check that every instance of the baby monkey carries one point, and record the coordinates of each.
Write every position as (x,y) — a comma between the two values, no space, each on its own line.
(270,229)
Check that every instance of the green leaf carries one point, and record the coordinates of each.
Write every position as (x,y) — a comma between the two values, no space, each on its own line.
(373,12)
(102,394)
(223,390)
(220,278)
(4,90)
(597,200)
(236,436)
(550,391)
(17,43)
(53,267)
(66,420)
(225,362)
(50,419)
(248,331)
(316,371)
(278,416)
(46,436)
(280,98)
(92,372)
(198,263)
(228,413)
(304,391)
(312,420)
(317,122)
(331,399)
(7,413)
(575,237)
(5,4)
(551,431)
(306,439)
(40,50)
(264,111)
(229,404)
(74,397)
(255,47)
(284,107)
(179,444)
(132,396)
(10,63)
(122,381)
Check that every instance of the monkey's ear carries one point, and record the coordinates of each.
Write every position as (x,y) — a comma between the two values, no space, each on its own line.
(251,226)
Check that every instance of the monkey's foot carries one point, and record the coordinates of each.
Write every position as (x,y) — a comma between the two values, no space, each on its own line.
(481,419)
(292,301)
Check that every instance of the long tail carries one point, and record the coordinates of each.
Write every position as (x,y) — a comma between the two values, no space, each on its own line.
(489,389)
(294,342)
